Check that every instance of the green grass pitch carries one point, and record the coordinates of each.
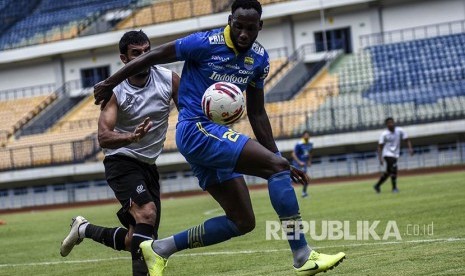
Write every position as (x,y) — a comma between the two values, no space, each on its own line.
(29,242)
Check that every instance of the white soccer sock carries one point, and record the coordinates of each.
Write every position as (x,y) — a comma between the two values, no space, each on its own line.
(165,247)
(82,230)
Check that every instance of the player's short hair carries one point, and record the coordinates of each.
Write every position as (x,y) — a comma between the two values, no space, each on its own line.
(388,119)
(247,4)
(306,132)
(132,37)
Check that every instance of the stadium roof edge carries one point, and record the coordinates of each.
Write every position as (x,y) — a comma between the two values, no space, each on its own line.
(161,30)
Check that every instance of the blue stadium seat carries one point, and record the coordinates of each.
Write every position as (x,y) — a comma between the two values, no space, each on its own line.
(50,14)
(420,70)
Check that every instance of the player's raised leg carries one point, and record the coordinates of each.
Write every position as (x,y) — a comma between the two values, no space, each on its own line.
(116,238)
(259,161)
(233,196)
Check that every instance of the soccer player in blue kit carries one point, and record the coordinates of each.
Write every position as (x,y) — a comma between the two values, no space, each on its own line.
(302,156)
(218,155)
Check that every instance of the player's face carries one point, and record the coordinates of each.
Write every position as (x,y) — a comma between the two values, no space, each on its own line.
(390,125)
(245,25)
(135,50)
(306,136)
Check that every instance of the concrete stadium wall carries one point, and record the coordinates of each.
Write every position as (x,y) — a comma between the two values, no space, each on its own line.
(407,15)
(361,20)
(24,74)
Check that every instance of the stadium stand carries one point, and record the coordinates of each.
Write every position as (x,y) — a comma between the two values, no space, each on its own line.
(415,81)
(52,20)
(362,89)
(72,136)
(34,22)
(171,10)
(415,70)
(15,113)
(165,11)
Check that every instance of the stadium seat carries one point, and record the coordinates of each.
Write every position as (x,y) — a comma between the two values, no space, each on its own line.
(55,20)
(17,112)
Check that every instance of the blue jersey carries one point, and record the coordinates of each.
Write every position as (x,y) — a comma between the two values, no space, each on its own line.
(302,150)
(210,57)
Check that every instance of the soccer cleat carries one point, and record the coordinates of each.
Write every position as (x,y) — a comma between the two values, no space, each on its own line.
(304,194)
(73,237)
(377,189)
(318,262)
(155,263)
(395,191)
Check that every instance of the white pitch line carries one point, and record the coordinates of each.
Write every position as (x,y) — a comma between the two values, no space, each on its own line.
(217,253)
(209,212)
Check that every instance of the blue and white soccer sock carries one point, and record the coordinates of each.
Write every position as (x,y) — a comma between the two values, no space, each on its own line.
(284,201)
(212,231)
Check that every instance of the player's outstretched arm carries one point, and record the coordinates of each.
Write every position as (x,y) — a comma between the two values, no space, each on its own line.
(261,127)
(165,53)
(294,157)
(410,148)
(110,139)
(258,118)
(380,154)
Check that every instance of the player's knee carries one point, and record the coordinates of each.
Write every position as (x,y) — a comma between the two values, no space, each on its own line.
(127,242)
(145,213)
(278,165)
(245,224)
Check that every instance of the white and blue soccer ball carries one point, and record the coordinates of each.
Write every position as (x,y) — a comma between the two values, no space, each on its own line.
(223,103)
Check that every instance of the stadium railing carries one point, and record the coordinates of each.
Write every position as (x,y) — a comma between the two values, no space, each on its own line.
(48,154)
(343,114)
(300,54)
(69,89)
(355,163)
(37,90)
(407,34)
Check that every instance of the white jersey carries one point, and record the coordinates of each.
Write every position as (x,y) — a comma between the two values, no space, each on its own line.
(137,103)
(392,141)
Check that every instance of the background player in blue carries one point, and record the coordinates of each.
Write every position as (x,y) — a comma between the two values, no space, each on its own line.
(302,156)
(217,154)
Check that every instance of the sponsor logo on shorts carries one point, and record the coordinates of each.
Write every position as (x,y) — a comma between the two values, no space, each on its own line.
(140,189)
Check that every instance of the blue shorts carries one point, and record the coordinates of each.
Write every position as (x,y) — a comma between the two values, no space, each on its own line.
(211,149)
(302,168)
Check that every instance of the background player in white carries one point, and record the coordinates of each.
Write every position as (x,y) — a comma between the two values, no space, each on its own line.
(131,130)
(389,151)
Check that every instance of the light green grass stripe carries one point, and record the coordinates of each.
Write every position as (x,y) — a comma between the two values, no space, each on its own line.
(216,253)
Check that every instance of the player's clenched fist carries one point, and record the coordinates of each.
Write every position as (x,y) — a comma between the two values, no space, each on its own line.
(102,93)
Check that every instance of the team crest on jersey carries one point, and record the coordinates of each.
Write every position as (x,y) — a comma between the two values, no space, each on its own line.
(257,48)
(129,101)
(248,63)
(216,39)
